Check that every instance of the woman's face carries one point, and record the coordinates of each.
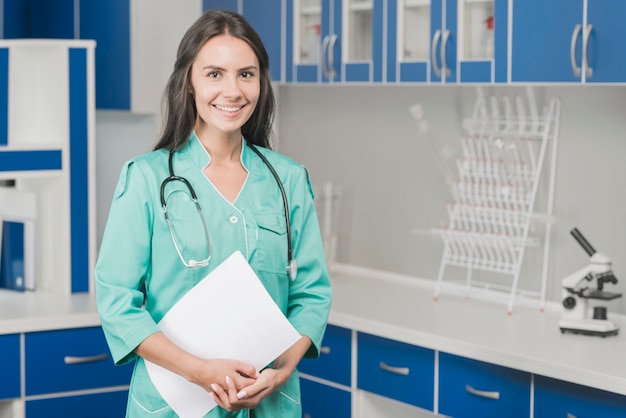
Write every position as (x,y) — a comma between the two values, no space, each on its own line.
(225,78)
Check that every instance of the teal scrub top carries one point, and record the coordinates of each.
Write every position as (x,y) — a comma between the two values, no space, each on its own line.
(139,274)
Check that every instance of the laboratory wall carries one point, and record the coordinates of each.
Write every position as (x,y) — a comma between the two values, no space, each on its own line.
(392,188)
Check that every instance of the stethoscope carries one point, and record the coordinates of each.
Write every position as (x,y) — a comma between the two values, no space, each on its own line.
(292,266)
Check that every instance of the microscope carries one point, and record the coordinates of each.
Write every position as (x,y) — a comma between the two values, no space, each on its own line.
(583,286)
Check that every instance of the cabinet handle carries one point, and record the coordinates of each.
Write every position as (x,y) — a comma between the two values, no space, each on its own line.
(324,349)
(444,46)
(482,393)
(85,359)
(433,52)
(588,69)
(572,50)
(325,43)
(404,371)
(331,57)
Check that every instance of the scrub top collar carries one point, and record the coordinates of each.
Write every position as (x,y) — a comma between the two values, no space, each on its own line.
(195,152)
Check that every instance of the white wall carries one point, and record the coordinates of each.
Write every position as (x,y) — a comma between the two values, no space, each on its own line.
(365,140)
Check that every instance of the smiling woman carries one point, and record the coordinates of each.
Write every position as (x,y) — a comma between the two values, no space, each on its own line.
(221,190)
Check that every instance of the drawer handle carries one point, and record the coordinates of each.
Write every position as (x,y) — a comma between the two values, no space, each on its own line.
(482,393)
(325,350)
(404,371)
(85,359)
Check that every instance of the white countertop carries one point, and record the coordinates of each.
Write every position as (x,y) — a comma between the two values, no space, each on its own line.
(403,309)
(42,311)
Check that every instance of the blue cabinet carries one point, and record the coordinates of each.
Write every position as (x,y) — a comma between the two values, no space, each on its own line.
(328,377)
(396,370)
(10,366)
(77,358)
(471,388)
(333,363)
(324,401)
(97,405)
(335,41)
(556,398)
(565,42)
(268,19)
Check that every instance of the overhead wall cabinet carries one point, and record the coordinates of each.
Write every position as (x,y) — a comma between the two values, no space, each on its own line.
(335,41)
(134,54)
(580,41)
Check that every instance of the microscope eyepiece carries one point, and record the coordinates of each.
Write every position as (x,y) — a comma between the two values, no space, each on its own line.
(583,242)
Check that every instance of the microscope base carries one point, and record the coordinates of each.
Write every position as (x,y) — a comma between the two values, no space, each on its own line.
(597,327)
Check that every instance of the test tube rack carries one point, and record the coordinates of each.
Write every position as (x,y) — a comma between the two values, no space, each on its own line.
(503,151)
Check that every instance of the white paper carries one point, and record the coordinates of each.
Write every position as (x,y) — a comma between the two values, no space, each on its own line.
(229,314)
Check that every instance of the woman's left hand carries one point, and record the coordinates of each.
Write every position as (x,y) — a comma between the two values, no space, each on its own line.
(249,397)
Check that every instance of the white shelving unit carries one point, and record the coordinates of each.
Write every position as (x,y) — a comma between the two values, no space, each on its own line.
(507,146)
(47,147)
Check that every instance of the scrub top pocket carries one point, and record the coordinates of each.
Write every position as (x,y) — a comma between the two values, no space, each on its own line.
(272,242)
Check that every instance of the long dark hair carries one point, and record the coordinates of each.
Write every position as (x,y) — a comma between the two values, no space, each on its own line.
(179,109)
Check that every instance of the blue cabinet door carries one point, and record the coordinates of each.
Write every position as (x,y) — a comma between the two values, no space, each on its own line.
(220,4)
(555,398)
(321,401)
(334,362)
(108,22)
(606,53)
(100,405)
(396,370)
(471,388)
(490,70)
(267,19)
(542,36)
(78,359)
(10,365)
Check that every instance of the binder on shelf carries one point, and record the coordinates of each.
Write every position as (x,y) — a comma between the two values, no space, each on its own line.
(17,264)
(18,216)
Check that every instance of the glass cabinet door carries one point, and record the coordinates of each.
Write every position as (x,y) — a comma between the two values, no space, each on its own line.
(414,40)
(476,27)
(308,37)
(359,34)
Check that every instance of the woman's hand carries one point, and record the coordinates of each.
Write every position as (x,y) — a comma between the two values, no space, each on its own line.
(233,398)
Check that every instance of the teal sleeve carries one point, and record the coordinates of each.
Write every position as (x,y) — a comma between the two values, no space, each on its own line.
(310,293)
(122,265)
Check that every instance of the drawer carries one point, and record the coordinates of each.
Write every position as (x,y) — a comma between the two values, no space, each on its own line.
(396,370)
(556,398)
(471,388)
(322,401)
(10,365)
(73,359)
(98,405)
(334,362)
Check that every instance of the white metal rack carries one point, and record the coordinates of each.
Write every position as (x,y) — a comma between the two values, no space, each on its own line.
(499,166)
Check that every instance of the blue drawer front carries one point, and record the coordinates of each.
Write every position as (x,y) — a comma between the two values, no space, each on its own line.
(10,366)
(555,398)
(321,401)
(46,356)
(100,405)
(456,373)
(334,360)
(375,354)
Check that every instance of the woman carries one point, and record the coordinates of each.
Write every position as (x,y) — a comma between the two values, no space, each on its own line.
(218,113)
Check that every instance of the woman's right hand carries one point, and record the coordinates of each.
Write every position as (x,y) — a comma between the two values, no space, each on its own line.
(160,350)
(214,371)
